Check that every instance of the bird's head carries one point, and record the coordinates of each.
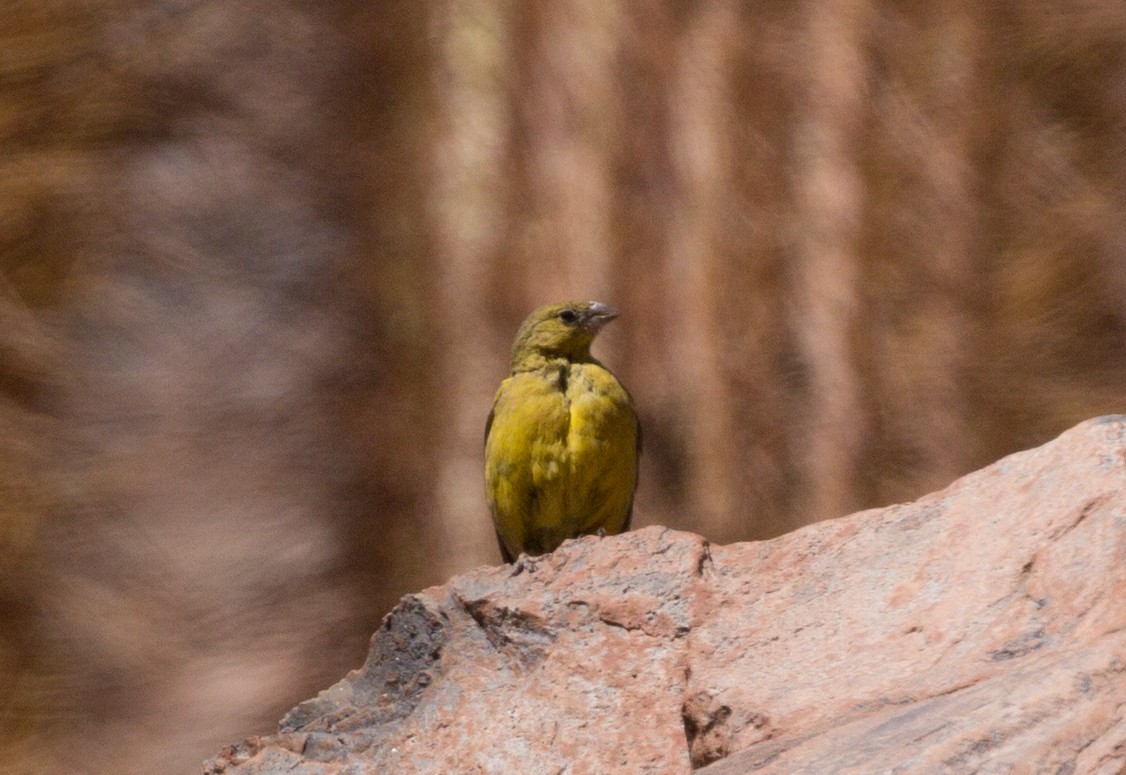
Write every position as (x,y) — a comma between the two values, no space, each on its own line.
(560,331)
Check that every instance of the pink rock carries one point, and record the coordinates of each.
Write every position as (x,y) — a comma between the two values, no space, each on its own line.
(981,628)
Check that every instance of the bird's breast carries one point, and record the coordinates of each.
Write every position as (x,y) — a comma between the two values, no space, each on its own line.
(561,455)
(599,410)
(563,433)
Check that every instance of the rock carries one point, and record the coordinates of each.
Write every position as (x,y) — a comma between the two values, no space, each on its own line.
(981,628)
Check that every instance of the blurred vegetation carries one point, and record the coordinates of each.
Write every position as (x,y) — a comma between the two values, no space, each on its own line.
(261,263)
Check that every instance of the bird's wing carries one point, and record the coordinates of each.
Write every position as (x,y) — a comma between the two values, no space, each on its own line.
(504,553)
(489,423)
(636,471)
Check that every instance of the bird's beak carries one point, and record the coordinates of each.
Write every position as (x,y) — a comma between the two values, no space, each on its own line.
(600,314)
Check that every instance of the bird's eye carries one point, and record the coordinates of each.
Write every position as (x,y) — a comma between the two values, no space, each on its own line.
(568,316)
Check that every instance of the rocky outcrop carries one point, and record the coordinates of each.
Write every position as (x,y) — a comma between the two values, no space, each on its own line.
(981,628)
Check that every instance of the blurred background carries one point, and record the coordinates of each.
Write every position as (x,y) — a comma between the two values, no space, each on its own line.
(261,264)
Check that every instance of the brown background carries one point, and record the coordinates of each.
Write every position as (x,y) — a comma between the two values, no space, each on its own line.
(261,263)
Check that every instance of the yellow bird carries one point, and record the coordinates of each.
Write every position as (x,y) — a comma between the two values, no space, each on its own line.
(562,440)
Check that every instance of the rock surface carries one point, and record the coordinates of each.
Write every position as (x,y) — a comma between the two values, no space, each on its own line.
(979,629)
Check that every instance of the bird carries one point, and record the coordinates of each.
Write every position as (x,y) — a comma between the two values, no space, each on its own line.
(562,441)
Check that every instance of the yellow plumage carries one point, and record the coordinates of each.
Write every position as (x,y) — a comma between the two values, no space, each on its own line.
(562,440)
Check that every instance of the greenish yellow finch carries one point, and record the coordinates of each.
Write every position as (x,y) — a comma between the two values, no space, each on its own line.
(562,440)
